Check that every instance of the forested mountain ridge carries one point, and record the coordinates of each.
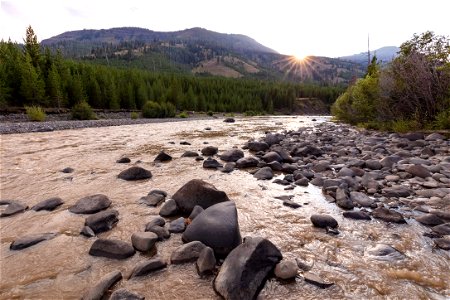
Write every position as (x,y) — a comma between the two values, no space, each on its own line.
(384,55)
(198,51)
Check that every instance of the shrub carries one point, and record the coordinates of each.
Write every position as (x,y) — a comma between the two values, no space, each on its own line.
(152,109)
(35,113)
(183,114)
(169,110)
(134,115)
(250,113)
(403,126)
(442,120)
(210,113)
(83,111)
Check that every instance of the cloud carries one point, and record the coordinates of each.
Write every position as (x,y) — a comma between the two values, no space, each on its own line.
(9,8)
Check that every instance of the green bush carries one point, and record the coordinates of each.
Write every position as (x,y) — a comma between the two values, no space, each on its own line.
(250,113)
(134,115)
(83,111)
(183,114)
(403,126)
(169,110)
(210,113)
(35,113)
(442,120)
(153,109)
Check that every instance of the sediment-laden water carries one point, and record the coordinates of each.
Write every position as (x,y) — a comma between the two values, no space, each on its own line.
(61,268)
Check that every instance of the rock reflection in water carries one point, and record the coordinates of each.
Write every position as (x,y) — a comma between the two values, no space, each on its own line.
(31,167)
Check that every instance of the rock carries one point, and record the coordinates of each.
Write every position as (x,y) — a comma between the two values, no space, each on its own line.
(110,248)
(257,146)
(143,241)
(100,288)
(373,164)
(228,167)
(316,280)
(357,215)
(217,227)
(229,120)
(231,155)
(30,240)
(434,137)
(209,150)
(286,269)
(195,212)
(272,139)
(302,182)
(185,143)
(102,221)
(189,154)
(291,203)
(160,231)
(123,160)
(246,162)
(123,294)
(187,252)
(49,204)
(303,265)
(443,243)
(177,226)
(361,199)
(135,173)
(147,267)
(317,181)
(275,165)
(343,200)
(413,136)
(211,163)
(345,172)
(392,178)
(419,171)
(246,268)
(198,192)
(321,166)
(264,173)
(388,215)
(307,150)
(397,191)
(152,199)
(67,170)
(156,221)
(87,231)
(324,221)
(170,208)
(384,252)
(272,156)
(14,207)
(429,220)
(206,262)
(443,229)
(162,157)
(90,204)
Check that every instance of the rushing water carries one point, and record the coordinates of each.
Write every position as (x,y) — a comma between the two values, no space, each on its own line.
(60,268)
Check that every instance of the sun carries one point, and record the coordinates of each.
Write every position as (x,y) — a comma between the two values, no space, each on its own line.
(300,57)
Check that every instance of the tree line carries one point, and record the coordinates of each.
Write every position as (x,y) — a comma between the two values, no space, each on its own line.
(31,75)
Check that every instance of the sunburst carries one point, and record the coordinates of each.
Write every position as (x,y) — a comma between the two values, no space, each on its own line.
(300,67)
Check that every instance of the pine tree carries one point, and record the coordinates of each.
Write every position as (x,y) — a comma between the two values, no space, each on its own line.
(32,46)
(54,88)
(32,86)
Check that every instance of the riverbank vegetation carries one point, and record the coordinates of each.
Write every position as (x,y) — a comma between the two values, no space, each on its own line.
(32,76)
(411,93)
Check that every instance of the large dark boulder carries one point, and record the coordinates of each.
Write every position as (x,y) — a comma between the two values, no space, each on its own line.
(209,151)
(419,171)
(388,215)
(343,200)
(163,156)
(13,208)
(245,270)
(217,227)
(187,252)
(307,150)
(49,204)
(197,192)
(324,221)
(90,204)
(257,146)
(135,173)
(30,240)
(247,162)
(147,267)
(272,156)
(169,209)
(231,155)
(123,294)
(100,288)
(264,173)
(102,221)
(112,249)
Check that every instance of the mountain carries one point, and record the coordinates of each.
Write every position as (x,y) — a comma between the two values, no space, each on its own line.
(384,55)
(198,51)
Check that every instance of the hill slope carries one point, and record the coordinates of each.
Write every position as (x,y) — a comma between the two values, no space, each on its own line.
(384,55)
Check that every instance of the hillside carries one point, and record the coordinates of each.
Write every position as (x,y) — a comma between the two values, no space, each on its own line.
(384,55)
(198,51)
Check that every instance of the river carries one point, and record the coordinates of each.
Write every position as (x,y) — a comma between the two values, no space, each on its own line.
(61,268)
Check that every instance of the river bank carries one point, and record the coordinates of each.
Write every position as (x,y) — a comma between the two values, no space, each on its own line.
(303,168)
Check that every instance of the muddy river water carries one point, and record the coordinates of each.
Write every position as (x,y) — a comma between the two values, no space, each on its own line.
(61,268)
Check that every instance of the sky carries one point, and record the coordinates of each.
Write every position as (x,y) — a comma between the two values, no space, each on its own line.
(330,28)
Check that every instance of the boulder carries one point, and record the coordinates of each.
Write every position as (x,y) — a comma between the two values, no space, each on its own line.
(257,146)
(388,215)
(273,138)
(187,252)
(110,248)
(160,231)
(247,162)
(231,155)
(143,241)
(419,171)
(275,165)
(357,215)
(413,136)
(68,170)
(123,160)
(443,243)
(169,209)
(264,173)
(373,164)
(162,157)
(87,231)
(384,252)
(211,163)
(244,271)
(49,204)
(135,173)
(209,151)
(228,167)
(229,120)
(152,199)
(217,227)
(443,229)
(102,221)
(429,220)
(307,150)
(272,156)
(434,137)
(324,221)
(397,191)
(123,294)
(197,192)
(30,240)
(291,204)
(147,267)
(343,200)
(190,154)
(177,225)
(286,269)
(100,288)
(361,199)
(90,204)
(155,221)
(345,172)
(316,280)
(195,212)
(206,262)
(14,207)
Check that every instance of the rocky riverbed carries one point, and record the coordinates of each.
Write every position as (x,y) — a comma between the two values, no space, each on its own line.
(205,208)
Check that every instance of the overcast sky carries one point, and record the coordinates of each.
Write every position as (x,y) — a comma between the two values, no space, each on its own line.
(303,27)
